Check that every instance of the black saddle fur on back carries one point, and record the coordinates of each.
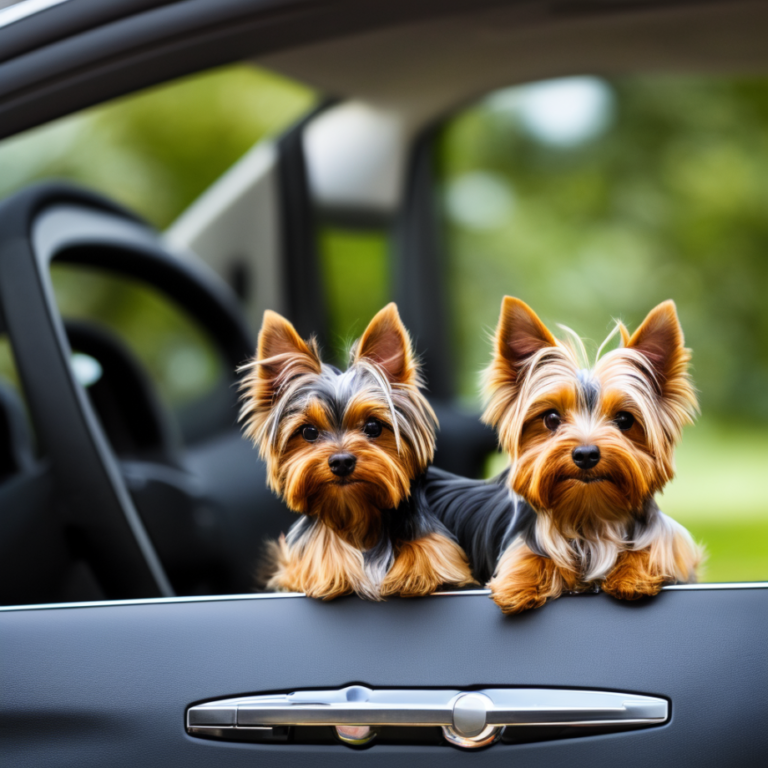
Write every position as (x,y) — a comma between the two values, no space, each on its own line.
(485,516)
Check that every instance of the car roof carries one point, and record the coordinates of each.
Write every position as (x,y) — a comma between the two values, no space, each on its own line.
(417,57)
(425,68)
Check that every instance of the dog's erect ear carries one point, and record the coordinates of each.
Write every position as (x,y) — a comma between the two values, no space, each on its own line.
(386,343)
(519,334)
(624,334)
(660,340)
(282,353)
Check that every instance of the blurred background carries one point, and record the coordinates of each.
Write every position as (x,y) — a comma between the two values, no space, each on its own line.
(591,199)
(596,199)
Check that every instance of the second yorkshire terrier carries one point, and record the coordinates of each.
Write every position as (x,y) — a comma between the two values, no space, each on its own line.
(347,450)
(589,448)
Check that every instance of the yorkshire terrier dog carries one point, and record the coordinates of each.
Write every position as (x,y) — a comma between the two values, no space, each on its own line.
(348,451)
(589,448)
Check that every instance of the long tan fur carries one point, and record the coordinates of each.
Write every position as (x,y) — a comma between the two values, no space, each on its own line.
(525,580)
(323,566)
(586,520)
(421,566)
(287,389)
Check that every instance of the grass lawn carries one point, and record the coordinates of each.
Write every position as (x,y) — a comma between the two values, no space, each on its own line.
(721,495)
(737,550)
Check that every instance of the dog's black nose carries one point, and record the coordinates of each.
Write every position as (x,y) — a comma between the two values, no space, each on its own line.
(342,464)
(586,456)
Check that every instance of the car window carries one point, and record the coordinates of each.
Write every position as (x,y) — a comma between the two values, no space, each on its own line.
(157,150)
(593,199)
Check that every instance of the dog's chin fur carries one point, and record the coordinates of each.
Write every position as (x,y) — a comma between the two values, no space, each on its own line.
(370,531)
(595,526)
(353,511)
(547,478)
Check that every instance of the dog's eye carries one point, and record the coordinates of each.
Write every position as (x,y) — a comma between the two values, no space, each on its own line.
(552,420)
(310,433)
(372,428)
(624,420)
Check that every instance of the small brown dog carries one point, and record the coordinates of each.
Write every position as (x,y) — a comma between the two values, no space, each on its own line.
(589,448)
(348,450)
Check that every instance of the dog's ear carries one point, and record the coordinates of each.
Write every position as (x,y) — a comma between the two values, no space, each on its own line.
(660,340)
(519,334)
(623,333)
(386,343)
(282,354)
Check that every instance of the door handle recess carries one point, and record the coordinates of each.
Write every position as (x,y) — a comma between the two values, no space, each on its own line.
(468,718)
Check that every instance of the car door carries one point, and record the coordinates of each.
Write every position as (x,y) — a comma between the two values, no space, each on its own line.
(96,684)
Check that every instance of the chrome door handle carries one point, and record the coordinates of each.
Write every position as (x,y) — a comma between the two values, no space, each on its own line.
(468,718)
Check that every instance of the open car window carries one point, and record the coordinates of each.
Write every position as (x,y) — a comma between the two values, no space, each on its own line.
(591,199)
(157,150)
(160,387)
(594,199)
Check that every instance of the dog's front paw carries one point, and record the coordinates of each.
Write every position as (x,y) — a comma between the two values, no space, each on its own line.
(407,581)
(633,577)
(423,565)
(525,580)
(328,590)
(325,567)
(313,583)
(517,599)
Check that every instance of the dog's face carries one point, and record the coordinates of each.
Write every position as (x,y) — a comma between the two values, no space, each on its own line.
(340,445)
(588,445)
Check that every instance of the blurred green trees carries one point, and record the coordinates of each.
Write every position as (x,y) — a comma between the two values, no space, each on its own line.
(156,151)
(668,200)
(356,275)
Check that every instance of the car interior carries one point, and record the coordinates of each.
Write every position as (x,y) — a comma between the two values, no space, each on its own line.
(126,482)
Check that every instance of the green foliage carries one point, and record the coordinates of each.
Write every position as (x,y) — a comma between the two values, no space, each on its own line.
(737,550)
(357,283)
(156,151)
(669,202)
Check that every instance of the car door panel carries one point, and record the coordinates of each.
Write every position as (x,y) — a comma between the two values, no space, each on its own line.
(109,685)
